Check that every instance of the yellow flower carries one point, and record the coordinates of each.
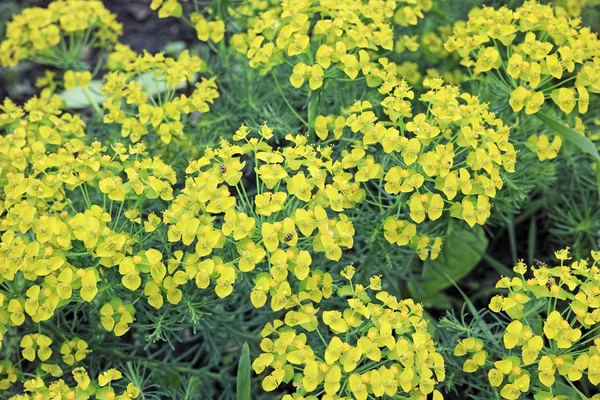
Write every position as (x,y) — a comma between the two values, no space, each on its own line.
(488,58)
(332,380)
(335,321)
(543,148)
(74,79)
(109,376)
(74,351)
(89,279)
(564,98)
(298,75)
(251,254)
(167,8)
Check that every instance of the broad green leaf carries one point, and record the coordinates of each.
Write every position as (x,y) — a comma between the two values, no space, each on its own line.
(461,252)
(583,143)
(436,300)
(243,387)
(579,140)
(151,84)
(77,98)
(174,48)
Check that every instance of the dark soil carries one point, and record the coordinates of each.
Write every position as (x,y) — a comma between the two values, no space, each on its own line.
(143,30)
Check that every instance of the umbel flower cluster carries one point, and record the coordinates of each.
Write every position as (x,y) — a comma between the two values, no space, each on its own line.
(371,346)
(337,41)
(457,148)
(129,232)
(127,87)
(58,35)
(537,54)
(553,314)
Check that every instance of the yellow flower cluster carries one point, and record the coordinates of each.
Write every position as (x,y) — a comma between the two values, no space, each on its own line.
(73,79)
(321,35)
(120,58)
(565,342)
(38,346)
(29,132)
(543,147)
(132,87)
(538,54)
(296,211)
(208,30)
(60,202)
(84,388)
(43,163)
(37,33)
(573,8)
(378,346)
(57,255)
(457,148)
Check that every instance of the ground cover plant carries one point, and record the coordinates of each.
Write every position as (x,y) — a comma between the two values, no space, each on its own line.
(300,200)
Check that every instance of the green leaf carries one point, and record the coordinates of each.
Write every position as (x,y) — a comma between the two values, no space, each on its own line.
(570,135)
(173,49)
(77,98)
(151,84)
(598,177)
(243,387)
(437,300)
(460,254)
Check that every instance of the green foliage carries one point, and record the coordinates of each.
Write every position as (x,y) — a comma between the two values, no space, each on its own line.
(223,142)
(244,383)
(462,253)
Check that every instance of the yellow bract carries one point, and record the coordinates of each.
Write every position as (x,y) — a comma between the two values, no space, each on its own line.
(535,45)
(36,32)
(323,32)
(136,79)
(389,350)
(555,346)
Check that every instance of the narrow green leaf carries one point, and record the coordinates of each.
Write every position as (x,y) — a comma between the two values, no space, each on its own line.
(243,390)
(598,177)
(512,238)
(532,241)
(570,134)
